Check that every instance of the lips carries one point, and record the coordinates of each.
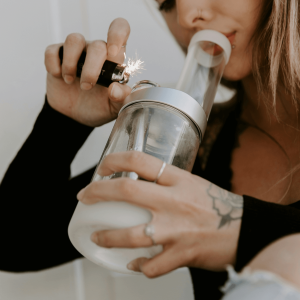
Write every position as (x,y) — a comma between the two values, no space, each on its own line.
(230,36)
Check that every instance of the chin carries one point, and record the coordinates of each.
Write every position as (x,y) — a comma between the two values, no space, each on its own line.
(235,74)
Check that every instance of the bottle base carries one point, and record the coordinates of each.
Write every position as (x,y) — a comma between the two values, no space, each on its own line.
(114,259)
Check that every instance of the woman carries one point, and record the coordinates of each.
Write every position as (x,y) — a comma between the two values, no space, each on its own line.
(248,149)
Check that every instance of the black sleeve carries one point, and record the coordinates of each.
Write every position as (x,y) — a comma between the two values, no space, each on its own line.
(263,223)
(37,197)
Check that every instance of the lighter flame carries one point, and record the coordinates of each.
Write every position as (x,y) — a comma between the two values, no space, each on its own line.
(134,66)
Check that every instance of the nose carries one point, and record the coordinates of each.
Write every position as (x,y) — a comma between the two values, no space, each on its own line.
(193,14)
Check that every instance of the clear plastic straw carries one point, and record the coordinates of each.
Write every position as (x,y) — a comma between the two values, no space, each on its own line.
(208,54)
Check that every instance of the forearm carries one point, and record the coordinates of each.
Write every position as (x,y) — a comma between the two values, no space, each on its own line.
(45,157)
(37,197)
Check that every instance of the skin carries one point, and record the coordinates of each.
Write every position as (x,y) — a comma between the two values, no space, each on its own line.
(205,218)
(228,16)
(288,266)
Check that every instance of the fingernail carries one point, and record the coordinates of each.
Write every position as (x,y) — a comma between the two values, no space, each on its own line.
(113,50)
(86,86)
(94,238)
(68,79)
(117,92)
(131,267)
(80,194)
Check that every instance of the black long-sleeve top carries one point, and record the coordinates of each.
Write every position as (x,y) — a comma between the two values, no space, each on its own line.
(38,198)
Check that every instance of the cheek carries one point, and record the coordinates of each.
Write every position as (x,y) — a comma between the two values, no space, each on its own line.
(238,67)
(182,35)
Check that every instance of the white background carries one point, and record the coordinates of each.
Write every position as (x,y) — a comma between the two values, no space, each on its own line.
(27,27)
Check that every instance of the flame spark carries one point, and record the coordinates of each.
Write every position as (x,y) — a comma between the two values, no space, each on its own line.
(134,66)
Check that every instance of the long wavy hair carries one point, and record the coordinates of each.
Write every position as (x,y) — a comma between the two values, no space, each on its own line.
(276,58)
(279,64)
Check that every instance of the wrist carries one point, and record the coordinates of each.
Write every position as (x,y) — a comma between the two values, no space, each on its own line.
(228,211)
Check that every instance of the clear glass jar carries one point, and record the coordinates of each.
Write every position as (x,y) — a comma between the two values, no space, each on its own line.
(157,129)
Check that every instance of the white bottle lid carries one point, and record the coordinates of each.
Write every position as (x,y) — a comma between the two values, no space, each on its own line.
(205,59)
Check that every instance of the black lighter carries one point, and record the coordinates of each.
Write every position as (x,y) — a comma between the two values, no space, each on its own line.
(110,72)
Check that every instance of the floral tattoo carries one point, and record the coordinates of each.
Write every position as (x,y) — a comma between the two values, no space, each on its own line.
(228,206)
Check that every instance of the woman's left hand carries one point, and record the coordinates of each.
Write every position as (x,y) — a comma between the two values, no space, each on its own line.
(197,222)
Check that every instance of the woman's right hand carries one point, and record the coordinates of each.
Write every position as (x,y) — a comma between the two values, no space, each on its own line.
(81,98)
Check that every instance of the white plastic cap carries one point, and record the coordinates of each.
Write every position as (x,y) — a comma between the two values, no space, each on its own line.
(212,36)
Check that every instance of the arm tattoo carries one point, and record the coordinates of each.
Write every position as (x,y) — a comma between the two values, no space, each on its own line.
(228,206)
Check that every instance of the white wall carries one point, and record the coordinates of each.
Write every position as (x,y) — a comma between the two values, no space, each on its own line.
(26,28)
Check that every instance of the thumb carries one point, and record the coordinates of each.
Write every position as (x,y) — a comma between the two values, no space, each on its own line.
(137,264)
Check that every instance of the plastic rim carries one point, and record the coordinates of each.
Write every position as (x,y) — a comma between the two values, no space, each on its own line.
(214,37)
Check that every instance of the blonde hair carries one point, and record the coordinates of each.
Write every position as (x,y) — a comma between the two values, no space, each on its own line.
(278,33)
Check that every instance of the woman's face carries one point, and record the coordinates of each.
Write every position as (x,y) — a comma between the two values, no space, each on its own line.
(237,19)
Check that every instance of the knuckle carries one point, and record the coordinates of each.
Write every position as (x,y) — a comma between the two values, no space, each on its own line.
(108,161)
(192,179)
(132,240)
(50,63)
(68,69)
(99,45)
(150,271)
(186,178)
(93,189)
(55,73)
(48,67)
(75,39)
(49,51)
(189,254)
(126,187)
(135,157)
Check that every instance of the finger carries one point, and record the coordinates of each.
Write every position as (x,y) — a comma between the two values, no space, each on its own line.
(73,47)
(133,237)
(145,165)
(136,265)
(52,61)
(168,260)
(137,192)
(118,92)
(117,36)
(96,54)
